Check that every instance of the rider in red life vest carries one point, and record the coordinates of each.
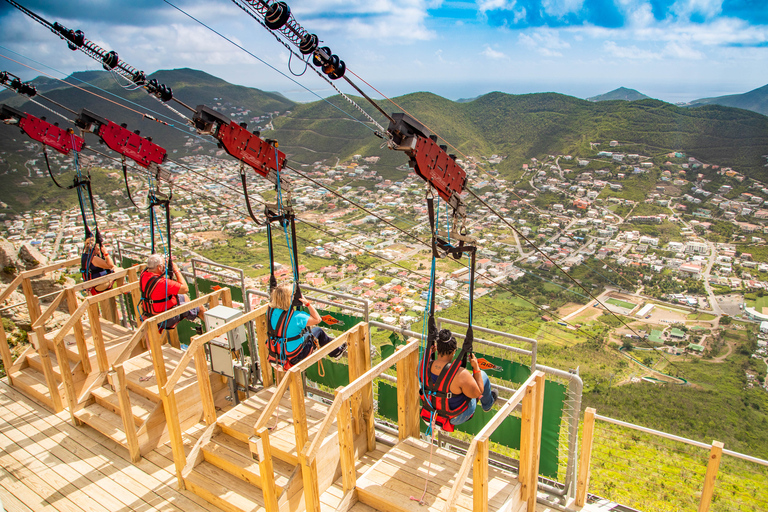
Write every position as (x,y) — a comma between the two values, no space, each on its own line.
(466,386)
(298,344)
(165,294)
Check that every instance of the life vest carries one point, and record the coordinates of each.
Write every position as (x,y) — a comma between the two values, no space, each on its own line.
(90,271)
(277,343)
(147,289)
(435,396)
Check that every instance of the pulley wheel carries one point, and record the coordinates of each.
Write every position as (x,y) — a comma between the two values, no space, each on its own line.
(308,44)
(338,72)
(318,60)
(110,60)
(277,15)
(331,64)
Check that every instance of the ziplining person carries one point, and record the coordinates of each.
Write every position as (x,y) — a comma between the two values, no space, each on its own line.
(293,335)
(159,294)
(466,388)
(95,262)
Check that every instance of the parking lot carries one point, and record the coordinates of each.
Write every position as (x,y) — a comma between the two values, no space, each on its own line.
(730,304)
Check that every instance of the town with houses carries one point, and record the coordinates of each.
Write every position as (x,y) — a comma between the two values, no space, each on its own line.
(691,235)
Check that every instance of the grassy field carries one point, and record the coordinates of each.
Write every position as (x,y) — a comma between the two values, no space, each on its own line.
(758,303)
(701,316)
(621,303)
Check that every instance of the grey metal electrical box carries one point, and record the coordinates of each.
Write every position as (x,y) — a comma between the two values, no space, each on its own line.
(220,315)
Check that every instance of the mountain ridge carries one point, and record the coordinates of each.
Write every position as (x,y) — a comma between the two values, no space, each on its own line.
(622,94)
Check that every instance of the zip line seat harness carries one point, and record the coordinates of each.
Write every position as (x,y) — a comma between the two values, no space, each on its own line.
(435,396)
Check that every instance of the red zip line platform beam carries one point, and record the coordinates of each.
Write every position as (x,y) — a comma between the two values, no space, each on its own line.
(60,139)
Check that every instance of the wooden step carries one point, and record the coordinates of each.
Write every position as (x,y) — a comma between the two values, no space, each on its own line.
(403,471)
(140,373)
(35,362)
(224,490)
(105,421)
(115,336)
(140,406)
(239,422)
(32,383)
(234,457)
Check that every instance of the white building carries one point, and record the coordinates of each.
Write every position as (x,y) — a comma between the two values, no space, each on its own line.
(696,248)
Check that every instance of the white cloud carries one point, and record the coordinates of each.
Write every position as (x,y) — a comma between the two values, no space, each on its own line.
(629,52)
(493,54)
(706,8)
(492,5)
(546,42)
(560,8)
(402,20)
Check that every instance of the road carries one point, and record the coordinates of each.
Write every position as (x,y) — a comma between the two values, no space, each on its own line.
(716,310)
(55,249)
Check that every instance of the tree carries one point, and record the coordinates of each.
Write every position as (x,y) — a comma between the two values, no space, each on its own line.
(627,345)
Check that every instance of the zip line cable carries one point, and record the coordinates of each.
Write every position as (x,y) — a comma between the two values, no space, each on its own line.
(268,65)
(152,118)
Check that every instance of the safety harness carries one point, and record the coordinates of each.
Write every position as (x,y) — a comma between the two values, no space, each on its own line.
(147,290)
(436,395)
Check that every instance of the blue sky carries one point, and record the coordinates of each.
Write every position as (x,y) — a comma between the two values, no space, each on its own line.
(675,50)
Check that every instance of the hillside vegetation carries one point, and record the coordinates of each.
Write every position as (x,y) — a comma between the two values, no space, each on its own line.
(532,125)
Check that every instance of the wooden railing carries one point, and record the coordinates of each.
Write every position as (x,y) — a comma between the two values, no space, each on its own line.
(358,352)
(406,360)
(33,303)
(149,328)
(531,393)
(75,323)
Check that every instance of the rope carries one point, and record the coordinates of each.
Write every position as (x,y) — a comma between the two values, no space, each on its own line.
(429,465)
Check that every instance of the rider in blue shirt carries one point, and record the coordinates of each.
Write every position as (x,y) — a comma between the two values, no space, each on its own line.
(281,302)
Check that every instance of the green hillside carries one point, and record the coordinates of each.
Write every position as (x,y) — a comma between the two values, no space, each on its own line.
(755,100)
(533,125)
(190,86)
(622,93)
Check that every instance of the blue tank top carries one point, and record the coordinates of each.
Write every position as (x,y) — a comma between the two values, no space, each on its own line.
(295,326)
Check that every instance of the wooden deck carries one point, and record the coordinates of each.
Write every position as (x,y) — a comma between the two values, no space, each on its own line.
(48,464)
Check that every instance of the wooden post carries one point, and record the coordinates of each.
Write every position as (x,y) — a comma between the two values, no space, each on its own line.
(97,337)
(587,435)
(408,396)
(66,376)
(169,403)
(33,304)
(715,454)
(366,393)
(296,387)
(82,348)
(538,410)
(226,298)
(346,445)
(50,378)
(173,338)
(5,353)
(204,383)
(480,478)
(355,370)
(260,325)
(266,471)
(133,276)
(126,413)
(526,443)
(309,478)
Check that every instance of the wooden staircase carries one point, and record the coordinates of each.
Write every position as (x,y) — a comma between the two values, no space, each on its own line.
(224,468)
(102,409)
(402,472)
(28,372)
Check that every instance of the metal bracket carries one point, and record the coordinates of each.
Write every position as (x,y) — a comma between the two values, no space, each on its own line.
(42,131)
(121,140)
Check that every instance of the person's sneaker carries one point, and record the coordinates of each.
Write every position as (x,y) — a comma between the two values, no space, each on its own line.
(495,396)
(199,329)
(338,353)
